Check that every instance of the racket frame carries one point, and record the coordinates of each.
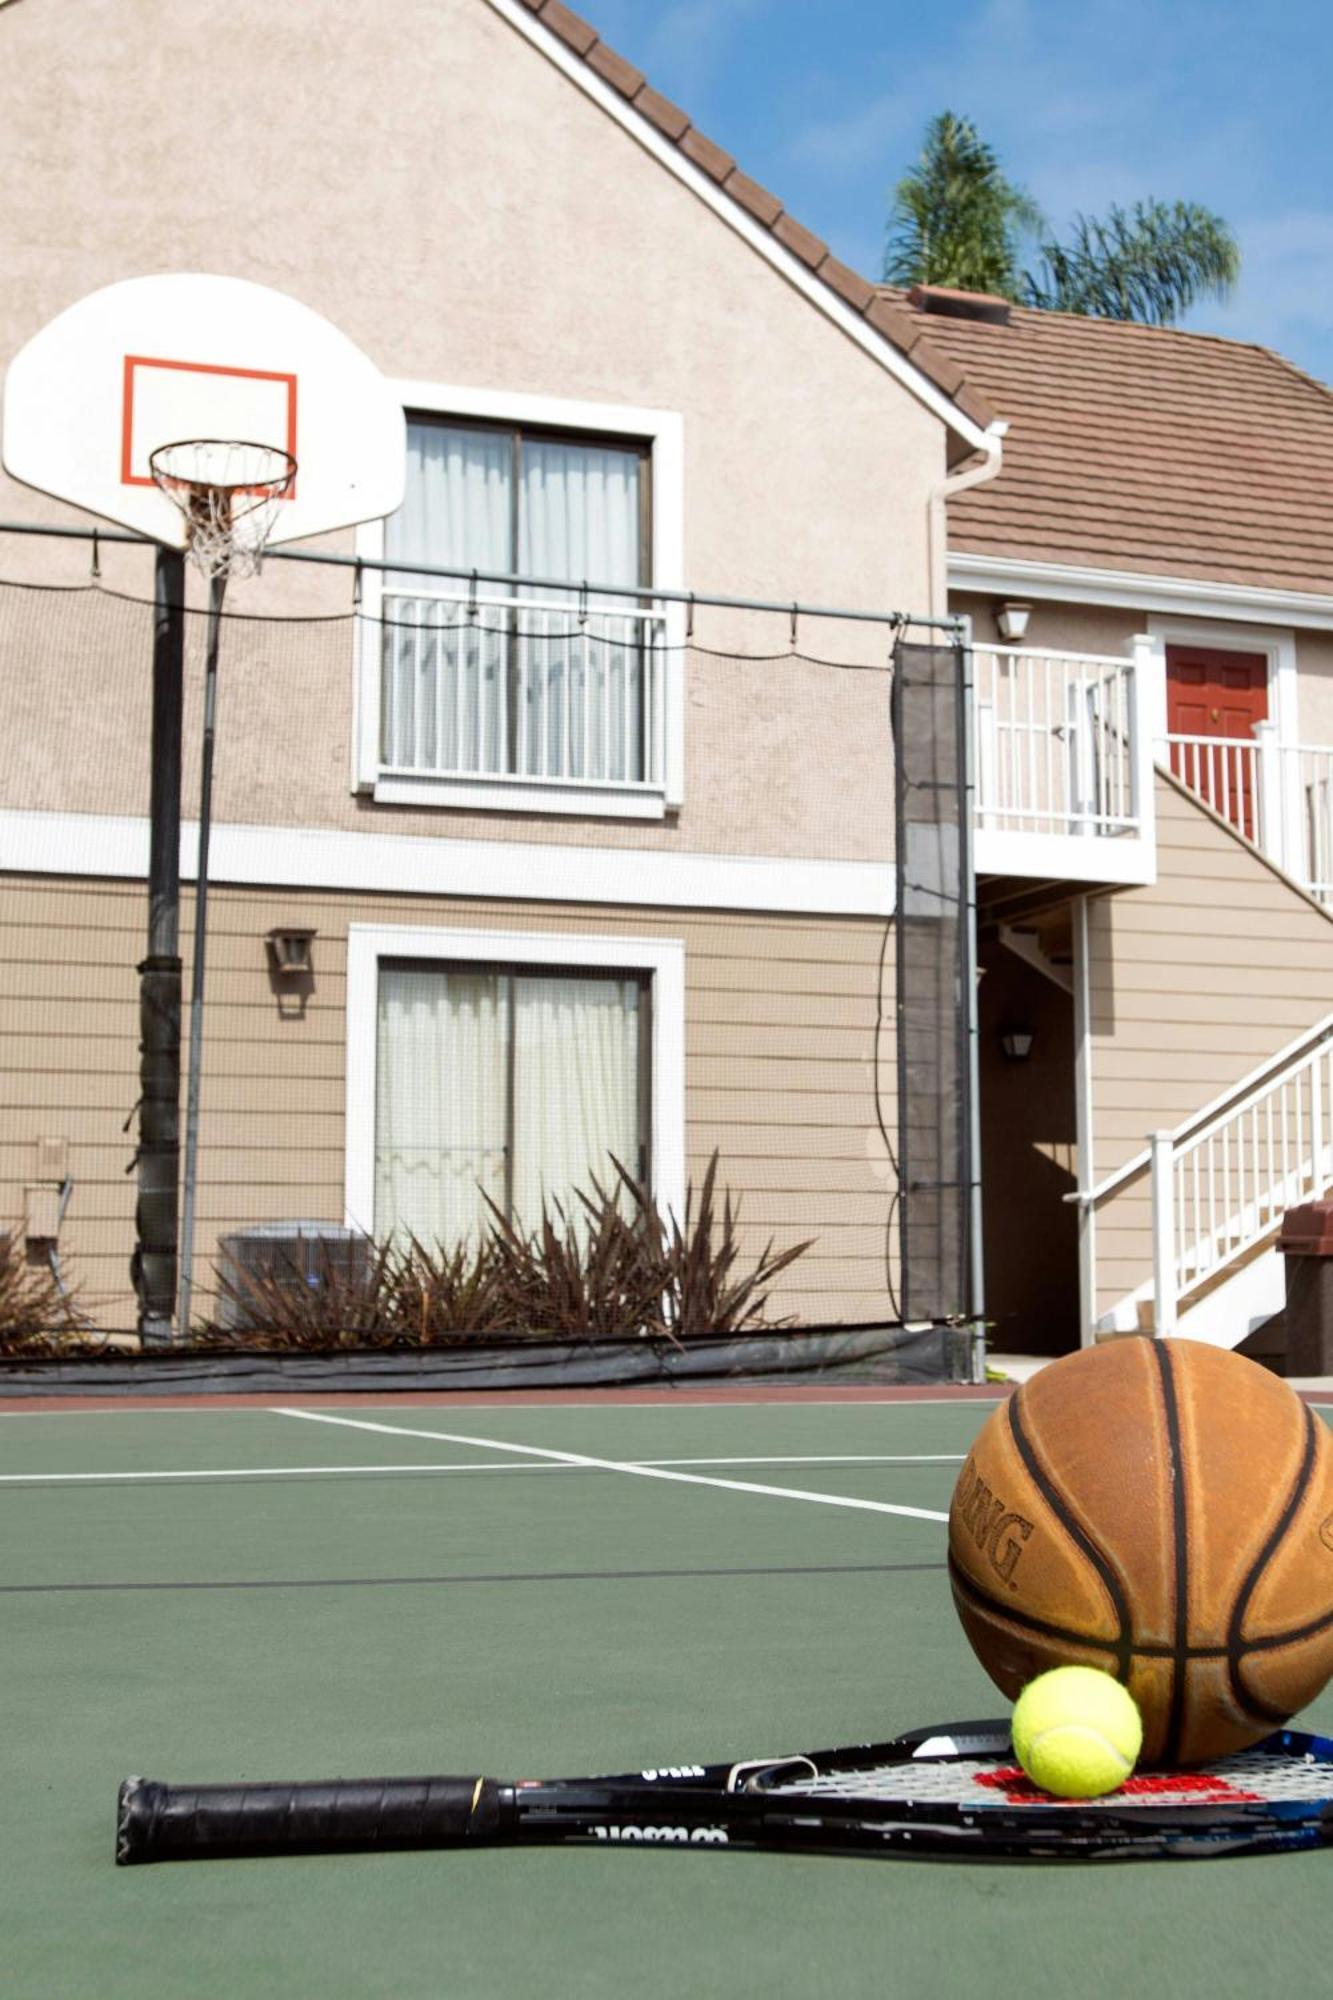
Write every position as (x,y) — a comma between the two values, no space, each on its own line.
(749,1803)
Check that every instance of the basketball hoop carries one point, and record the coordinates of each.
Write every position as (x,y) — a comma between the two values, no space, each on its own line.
(229,494)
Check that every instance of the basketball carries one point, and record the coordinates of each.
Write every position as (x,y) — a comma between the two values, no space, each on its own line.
(1163,1510)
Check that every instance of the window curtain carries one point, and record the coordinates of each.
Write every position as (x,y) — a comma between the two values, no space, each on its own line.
(541,692)
(576,1089)
(445,704)
(583,693)
(443,1110)
(441,1121)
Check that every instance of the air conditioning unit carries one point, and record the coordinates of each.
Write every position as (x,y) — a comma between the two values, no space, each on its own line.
(291,1254)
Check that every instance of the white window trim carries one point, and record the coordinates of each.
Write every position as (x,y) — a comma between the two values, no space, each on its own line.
(662,958)
(664,432)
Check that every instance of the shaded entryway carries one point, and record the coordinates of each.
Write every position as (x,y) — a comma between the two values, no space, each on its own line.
(1028,1144)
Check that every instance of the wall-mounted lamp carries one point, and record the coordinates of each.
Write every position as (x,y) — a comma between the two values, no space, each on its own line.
(1012,619)
(290,952)
(1017,1043)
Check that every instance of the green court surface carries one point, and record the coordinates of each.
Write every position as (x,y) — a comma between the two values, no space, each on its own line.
(297,1599)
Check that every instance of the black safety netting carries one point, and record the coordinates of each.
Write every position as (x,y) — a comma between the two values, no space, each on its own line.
(362,743)
(932,939)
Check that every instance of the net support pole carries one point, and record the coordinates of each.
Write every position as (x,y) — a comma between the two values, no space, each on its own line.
(154,1263)
(216,587)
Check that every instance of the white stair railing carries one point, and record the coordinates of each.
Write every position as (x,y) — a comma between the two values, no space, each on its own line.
(1222,1183)
(1314,791)
(1279,795)
(1224,772)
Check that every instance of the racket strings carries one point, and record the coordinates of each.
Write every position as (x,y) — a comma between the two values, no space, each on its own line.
(1264,1778)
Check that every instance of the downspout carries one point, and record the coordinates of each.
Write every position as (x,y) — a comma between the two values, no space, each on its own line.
(937,542)
(937,531)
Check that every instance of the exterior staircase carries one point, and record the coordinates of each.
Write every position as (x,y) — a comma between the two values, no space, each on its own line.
(1205,1197)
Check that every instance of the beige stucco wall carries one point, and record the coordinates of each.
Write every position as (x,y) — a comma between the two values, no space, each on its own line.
(1315,665)
(1080,628)
(1195,980)
(780,1027)
(431,183)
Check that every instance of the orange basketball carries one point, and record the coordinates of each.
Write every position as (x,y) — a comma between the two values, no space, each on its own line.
(1164,1510)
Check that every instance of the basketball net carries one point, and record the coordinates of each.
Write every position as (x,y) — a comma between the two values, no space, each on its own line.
(229,493)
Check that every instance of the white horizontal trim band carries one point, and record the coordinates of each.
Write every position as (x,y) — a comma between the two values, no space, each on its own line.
(1075,584)
(91,844)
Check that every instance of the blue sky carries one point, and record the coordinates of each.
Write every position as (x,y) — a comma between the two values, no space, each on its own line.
(1222,102)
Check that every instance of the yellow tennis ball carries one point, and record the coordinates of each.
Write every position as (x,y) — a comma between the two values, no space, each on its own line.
(1077,1732)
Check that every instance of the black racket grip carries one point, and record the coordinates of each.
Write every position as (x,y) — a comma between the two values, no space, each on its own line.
(157,1822)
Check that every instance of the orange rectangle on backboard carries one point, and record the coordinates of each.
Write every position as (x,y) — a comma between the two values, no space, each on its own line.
(168,401)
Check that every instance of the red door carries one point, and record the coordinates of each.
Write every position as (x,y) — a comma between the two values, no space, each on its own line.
(1213,700)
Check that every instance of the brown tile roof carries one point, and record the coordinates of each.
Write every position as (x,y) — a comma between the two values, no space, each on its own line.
(901,328)
(1144,448)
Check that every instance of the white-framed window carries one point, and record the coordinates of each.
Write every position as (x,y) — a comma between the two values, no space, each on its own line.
(512,1063)
(538,696)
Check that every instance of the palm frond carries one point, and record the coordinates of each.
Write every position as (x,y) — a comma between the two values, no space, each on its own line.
(1149,263)
(956,217)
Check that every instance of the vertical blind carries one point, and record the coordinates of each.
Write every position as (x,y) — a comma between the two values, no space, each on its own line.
(522,691)
(518,1084)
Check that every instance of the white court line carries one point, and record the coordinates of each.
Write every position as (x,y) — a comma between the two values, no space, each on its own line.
(636,1471)
(226,1409)
(353,1471)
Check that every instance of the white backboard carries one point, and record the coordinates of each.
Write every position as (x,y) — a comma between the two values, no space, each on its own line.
(153,361)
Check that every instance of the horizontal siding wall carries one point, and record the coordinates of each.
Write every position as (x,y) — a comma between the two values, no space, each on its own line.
(1195,980)
(780,1034)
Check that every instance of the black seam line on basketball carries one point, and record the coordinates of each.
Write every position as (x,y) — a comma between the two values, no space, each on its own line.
(1123,1645)
(1236,1647)
(1146,1649)
(964,1583)
(1175,1719)
(499,1576)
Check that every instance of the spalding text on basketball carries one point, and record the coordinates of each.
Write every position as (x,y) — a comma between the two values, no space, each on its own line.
(998,1533)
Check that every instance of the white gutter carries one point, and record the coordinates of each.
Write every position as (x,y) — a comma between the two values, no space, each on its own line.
(1074,583)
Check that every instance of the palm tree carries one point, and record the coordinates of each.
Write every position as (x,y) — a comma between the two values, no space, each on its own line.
(958,220)
(1148,263)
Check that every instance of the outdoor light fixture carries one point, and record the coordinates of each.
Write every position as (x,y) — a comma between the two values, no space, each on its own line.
(1017,1043)
(1012,620)
(290,952)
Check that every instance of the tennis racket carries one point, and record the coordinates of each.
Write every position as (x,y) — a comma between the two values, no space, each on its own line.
(954,1790)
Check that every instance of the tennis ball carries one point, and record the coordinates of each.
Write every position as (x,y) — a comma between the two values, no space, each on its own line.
(1077,1732)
